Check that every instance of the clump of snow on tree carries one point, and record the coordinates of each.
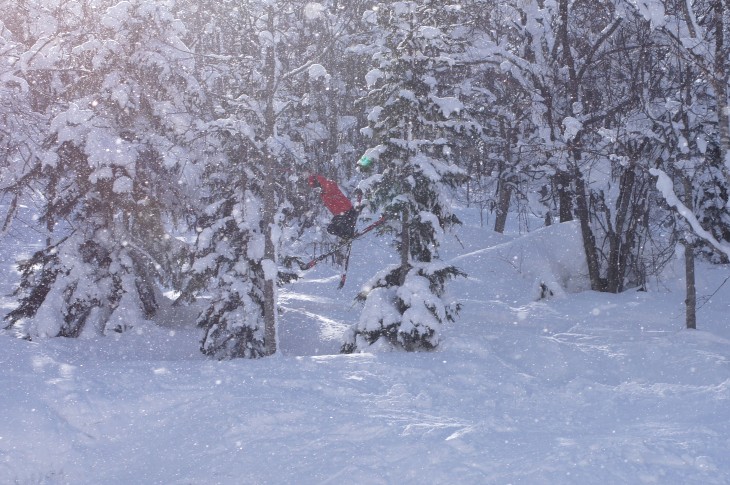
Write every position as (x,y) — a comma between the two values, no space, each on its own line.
(429,32)
(571,127)
(313,10)
(318,71)
(448,105)
(372,76)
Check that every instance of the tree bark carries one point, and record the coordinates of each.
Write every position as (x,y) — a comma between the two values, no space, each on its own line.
(506,178)
(504,195)
(589,239)
(405,248)
(269,254)
(616,253)
(561,179)
(270,196)
(690,301)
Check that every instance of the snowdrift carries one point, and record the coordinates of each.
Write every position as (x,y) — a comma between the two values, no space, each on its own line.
(550,260)
(586,388)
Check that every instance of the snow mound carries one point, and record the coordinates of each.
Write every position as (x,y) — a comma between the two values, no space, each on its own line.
(550,260)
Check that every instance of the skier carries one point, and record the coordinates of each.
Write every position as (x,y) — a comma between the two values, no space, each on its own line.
(343,212)
(344,218)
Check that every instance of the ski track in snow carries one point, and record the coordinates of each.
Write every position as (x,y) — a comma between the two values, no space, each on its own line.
(583,389)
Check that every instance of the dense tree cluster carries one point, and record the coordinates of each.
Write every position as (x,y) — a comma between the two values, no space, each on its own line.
(163,144)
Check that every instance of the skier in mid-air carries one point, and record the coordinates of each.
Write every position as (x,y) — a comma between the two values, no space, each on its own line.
(344,214)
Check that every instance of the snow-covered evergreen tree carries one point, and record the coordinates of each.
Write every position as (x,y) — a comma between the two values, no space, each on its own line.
(413,115)
(228,263)
(265,123)
(30,82)
(113,158)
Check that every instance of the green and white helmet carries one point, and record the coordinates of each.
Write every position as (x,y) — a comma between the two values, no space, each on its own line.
(365,162)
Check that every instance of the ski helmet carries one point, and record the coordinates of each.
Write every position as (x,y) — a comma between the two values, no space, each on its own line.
(365,162)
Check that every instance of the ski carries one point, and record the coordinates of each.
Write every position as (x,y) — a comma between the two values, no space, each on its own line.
(343,277)
(311,264)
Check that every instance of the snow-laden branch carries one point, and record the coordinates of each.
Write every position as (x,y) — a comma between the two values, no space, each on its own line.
(666,187)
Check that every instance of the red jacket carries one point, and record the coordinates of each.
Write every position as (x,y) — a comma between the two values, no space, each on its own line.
(332,196)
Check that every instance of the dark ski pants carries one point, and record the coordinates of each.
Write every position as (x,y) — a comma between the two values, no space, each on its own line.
(343,225)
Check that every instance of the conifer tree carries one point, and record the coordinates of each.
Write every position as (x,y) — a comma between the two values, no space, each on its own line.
(413,115)
(228,263)
(112,160)
(257,73)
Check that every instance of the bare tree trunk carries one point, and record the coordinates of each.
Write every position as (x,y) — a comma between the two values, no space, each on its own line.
(506,178)
(270,198)
(589,239)
(504,195)
(270,255)
(405,248)
(561,179)
(690,301)
(620,237)
(572,88)
(689,274)
(405,237)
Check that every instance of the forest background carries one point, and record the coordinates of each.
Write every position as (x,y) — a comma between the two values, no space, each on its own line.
(160,146)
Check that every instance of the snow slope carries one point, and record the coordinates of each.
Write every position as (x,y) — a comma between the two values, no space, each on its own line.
(581,388)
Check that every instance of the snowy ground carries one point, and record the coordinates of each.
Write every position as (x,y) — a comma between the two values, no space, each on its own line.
(583,388)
